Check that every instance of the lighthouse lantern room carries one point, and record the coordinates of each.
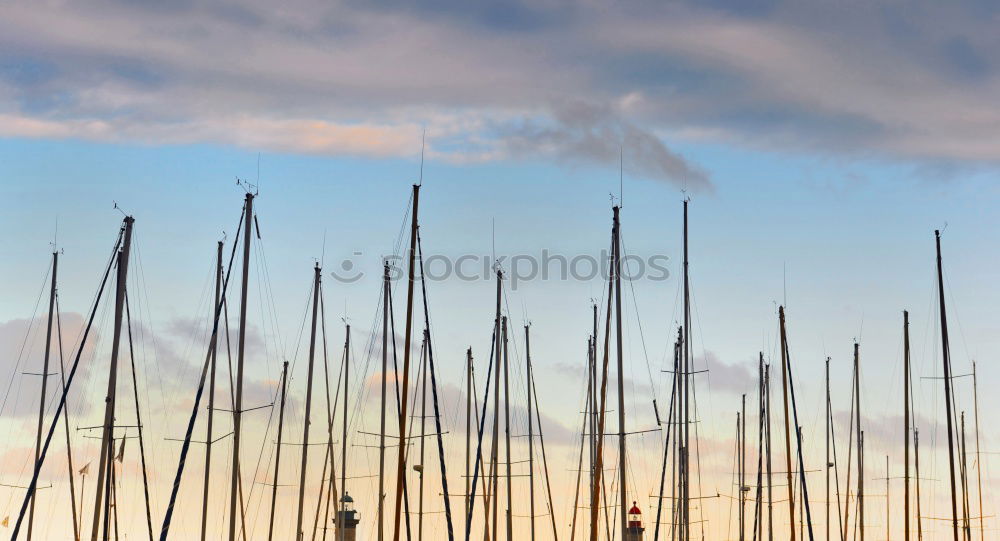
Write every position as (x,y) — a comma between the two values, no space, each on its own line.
(635,529)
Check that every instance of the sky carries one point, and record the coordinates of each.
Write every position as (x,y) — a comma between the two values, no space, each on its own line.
(820,145)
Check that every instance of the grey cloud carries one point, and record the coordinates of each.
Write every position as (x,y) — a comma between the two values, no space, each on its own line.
(737,378)
(16,361)
(580,132)
(903,81)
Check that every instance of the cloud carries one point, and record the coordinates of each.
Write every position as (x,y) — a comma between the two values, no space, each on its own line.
(564,81)
(736,378)
(22,352)
(581,133)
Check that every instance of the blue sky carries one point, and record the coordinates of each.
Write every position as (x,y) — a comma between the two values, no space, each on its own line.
(821,145)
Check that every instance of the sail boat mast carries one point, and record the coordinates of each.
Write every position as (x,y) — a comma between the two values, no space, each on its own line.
(622,456)
(107,452)
(743,469)
(401,461)
(309,388)
(531,434)
(906,426)
(946,362)
(506,416)
(240,356)
(277,452)
(979,458)
(861,442)
(45,380)
(826,466)
(788,439)
(385,367)
(494,490)
(211,396)
(342,517)
(685,458)
(602,416)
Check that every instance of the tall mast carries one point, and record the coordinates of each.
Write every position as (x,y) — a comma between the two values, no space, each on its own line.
(979,458)
(887,498)
(240,355)
(601,418)
(861,442)
(506,415)
(468,430)
(788,439)
(739,477)
(592,437)
(906,426)
(330,488)
(758,519)
(423,437)
(965,482)
(685,440)
(211,395)
(743,470)
(341,529)
(401,462)
(583,438)
(622,456)
(381,436)
(946,362)
(826,467)
(306,421)
(916,471)
(277,452)
(45,380)
(107,442)
(531,435)
(495,448)
(770,496)
(805,523)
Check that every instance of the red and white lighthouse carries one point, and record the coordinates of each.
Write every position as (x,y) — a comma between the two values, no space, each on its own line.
(635,529)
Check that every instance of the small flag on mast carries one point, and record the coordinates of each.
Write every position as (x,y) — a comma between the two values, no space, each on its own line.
(85,470)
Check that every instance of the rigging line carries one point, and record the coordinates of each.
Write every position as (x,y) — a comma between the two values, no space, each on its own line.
(144,303)
(369,351)
(141,284)
(635,305)
(245,500)
(545,462)
(138,417)
(27,334)
(185,447)
(29,494)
